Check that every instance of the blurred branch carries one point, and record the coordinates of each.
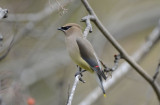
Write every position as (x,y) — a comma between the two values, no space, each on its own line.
(33,19)
(108,36)
(15,94)
(64,10)
(156,73)
(8,45)
(3,13)
(49,9)
(26,29)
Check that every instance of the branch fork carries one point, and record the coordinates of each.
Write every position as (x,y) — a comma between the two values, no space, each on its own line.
(125,55)
(88,28)
(76,81)
(115,66)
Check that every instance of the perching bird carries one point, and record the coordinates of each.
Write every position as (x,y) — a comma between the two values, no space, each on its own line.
(81,51)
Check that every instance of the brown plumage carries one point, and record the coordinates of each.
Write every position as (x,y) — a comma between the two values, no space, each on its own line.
(81,50)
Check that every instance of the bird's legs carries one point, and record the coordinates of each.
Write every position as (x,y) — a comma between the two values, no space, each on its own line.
(79,72)
(108,70)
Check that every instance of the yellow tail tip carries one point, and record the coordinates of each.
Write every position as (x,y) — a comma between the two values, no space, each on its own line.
(104,95)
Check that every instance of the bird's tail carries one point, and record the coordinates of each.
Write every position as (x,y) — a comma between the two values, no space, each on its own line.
(99,79)
(99,72)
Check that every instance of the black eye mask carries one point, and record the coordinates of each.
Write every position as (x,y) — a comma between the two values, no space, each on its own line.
(66,28)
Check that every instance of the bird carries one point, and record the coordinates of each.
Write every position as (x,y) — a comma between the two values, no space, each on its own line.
(81,51)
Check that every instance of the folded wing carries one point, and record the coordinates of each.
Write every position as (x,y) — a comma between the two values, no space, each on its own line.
(87,53)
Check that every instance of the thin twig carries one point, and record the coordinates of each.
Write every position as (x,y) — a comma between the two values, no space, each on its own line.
(156,73)
(112,40)
(76,81)
(115,66)
(88,28)
(8,49)
(108,71)
(62,9)
(68,93)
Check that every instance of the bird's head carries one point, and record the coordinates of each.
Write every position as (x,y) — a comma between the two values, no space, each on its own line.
(71,28)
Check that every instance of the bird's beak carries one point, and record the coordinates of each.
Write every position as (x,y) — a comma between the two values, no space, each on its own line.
(60,28)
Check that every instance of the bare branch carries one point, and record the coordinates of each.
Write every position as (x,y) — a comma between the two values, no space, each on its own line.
(156,73)
(76,81)
(108,36)
(123,68)
(88,25)
(116,62)
(8,48)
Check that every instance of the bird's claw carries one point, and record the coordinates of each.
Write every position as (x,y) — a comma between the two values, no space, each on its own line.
(82,80)
(80,73)
(108,72)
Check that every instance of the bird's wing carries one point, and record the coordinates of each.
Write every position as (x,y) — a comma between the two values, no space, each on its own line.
(88,54)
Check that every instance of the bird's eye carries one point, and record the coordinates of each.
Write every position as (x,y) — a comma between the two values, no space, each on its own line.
(66,28)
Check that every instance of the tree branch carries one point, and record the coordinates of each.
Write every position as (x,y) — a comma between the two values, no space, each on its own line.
(115,66)
(3,13)
(76,81)
(88,28)
(156,73)
(108,36)
(9,46)
(124,68)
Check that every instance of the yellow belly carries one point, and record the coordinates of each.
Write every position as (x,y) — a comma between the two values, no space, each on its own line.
(82,63)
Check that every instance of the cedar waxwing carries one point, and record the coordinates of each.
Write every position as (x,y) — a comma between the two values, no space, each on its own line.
(81,51)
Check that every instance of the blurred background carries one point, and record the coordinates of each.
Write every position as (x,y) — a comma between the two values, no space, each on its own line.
(38,64)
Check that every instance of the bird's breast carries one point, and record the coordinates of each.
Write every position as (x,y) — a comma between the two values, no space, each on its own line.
(74,53)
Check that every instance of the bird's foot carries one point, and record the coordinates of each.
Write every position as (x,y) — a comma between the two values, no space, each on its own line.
(108,72)
(80,73)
